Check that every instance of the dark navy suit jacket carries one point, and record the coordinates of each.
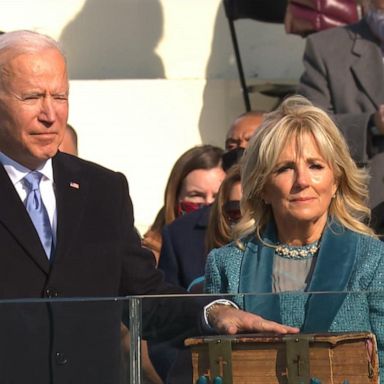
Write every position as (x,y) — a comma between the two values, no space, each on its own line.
(183,252)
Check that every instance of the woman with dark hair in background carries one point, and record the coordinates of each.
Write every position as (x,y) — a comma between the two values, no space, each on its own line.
(193,182)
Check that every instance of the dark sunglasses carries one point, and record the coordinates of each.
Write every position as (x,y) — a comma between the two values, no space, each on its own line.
(232,211)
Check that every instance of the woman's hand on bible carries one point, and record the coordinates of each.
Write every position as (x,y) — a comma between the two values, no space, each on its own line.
(229,320)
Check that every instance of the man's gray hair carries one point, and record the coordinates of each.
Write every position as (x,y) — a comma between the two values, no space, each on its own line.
(23,41)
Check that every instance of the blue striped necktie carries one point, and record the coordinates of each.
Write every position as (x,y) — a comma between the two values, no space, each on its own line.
(37,210)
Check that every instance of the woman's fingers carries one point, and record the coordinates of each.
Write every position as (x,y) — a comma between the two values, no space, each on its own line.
(231,321)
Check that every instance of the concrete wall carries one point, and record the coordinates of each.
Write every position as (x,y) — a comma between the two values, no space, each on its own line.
(151,78)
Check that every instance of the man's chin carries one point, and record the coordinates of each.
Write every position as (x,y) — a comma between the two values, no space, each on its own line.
(36,160)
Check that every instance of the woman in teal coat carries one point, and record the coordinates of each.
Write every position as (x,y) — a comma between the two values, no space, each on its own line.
(303,234)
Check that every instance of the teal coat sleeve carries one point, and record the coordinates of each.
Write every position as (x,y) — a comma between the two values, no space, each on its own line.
(222,271)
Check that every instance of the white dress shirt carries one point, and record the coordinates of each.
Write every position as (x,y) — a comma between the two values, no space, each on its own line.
(17,172)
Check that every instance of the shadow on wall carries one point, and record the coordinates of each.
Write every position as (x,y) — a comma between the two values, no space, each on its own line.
(210,124)
(115,39)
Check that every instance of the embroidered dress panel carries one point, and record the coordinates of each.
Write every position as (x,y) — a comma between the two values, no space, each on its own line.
(291,274)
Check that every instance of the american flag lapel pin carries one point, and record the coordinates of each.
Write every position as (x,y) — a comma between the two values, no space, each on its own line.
(74,185)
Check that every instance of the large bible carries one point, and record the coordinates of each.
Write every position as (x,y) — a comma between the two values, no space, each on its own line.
(329,358)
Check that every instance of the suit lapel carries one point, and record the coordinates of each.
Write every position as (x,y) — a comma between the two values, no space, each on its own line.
(332,273)
(71,191)
(256,277)
(366,52)
(15,218)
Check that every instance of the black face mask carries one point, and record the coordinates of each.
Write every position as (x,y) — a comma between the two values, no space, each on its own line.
(232,157)
(232,211)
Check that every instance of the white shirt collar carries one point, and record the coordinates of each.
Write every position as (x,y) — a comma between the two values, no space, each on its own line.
(17,172)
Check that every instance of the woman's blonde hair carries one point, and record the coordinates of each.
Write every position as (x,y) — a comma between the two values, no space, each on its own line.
(295,118)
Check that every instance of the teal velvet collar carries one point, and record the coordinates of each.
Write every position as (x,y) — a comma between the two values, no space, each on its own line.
(332,272)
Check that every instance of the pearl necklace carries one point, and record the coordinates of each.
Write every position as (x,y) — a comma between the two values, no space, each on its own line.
(298,252)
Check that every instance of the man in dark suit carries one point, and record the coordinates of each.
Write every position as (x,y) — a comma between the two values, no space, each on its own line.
(344,75)
(183,251)
(93,250)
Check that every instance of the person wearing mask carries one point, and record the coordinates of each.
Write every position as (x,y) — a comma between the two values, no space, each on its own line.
(193,182)
(224,214)
(182,256)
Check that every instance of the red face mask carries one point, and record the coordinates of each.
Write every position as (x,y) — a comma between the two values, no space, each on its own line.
(187,206)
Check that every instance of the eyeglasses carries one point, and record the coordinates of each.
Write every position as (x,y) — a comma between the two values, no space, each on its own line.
(232,211)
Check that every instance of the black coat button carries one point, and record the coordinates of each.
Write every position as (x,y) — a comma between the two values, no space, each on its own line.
(51,292)
(60,358)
